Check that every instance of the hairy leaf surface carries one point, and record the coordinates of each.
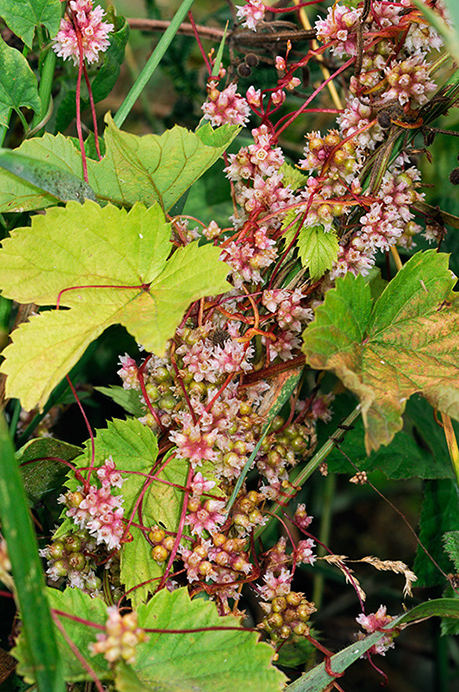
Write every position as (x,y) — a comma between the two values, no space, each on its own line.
(209,661)
(386,350)
(115,268)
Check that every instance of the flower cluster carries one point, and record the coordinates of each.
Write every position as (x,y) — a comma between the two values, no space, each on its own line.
(96,509)
(253,12)
(82,29)
(374,623)
(225,107)
(121,637)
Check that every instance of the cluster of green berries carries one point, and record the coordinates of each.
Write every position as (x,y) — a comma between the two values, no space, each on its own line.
(287,615)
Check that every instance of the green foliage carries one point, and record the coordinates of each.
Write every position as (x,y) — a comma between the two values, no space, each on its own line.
(439,515)
(147,295)
(126,398)
(417,451)
(386,350)
(211,661)
(134,169)
(41,465)
(23,16)
(451,543)
(41,648)
(18,85)
(87,609)
(317,248)
(58,182)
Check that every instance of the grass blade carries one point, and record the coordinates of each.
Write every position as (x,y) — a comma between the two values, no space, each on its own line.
(153,62)
(27,572)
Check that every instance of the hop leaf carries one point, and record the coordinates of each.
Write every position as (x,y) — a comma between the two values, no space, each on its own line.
(109,267)
(405,342)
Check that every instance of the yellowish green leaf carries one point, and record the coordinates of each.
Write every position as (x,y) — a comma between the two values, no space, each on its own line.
(108,266)
(405,342)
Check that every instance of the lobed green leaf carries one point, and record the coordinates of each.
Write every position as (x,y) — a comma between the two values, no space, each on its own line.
(116,270)
(210,661)
(385,351)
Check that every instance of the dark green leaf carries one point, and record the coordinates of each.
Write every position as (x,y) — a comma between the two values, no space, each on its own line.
(18,84)
(439,514)
(22,16)
(40,474)
(451,542)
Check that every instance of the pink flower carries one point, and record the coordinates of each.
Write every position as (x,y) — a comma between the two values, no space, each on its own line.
(108,474)
(253,12)
(225,107)
(374,623)
(200,485)
(86,22)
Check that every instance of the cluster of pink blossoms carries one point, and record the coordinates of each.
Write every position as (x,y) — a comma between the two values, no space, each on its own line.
(85,22)
(374,623)
(225,107)
(252,13)
(96,509)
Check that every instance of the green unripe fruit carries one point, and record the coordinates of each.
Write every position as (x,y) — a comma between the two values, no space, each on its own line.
(72,543)
(77,561)
(278,604)
(294,598)
(61,568)
(276,620)
(56,550)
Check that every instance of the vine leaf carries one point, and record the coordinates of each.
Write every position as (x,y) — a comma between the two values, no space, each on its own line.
(85,248)
(317,248)
(134,449)
(157,168)
(384,351)
(210,661)
(74,602)
(22,16)
(145,169)
(18,84)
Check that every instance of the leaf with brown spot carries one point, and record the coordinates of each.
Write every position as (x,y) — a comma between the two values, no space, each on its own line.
(384,351)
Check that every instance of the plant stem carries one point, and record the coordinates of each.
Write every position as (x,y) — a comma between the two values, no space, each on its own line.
(324,534)
(45,88)
(153,62)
